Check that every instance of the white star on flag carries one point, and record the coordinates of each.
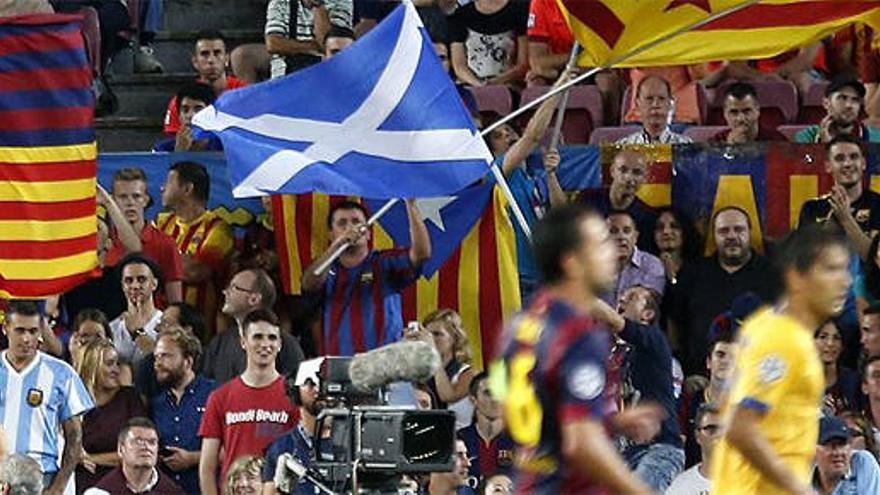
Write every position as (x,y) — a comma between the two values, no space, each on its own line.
(430,209)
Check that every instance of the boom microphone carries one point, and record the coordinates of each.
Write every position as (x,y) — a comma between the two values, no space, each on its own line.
(408,361)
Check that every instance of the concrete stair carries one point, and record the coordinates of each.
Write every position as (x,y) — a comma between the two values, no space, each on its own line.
(143,97)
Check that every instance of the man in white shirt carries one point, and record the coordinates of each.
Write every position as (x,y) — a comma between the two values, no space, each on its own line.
(654,102)
(42,399)
(695,481)
(134,331)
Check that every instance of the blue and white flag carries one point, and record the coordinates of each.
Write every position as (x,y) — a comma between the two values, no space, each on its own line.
(381,119)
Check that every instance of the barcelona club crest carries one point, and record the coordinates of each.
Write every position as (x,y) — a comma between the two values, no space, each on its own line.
(34,397)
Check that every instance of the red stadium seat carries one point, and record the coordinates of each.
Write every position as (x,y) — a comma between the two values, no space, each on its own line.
(703,133)
(91,30)
(604,135)
(778,100)
(495,99)
(790,130)
(812,110)
(583,111)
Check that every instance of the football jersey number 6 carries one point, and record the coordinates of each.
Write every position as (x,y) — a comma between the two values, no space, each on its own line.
(524,413)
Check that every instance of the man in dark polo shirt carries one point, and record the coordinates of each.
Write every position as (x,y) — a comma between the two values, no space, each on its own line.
(706,287)
(743,115)
(849,206)
(138,450)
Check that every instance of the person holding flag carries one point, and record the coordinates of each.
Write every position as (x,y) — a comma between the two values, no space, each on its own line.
(534,192)
(361,289)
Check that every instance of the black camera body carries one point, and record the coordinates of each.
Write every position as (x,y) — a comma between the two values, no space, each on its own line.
(365,445)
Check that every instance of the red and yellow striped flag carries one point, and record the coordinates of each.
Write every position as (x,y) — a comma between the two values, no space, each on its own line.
(479,279)
(47,157)
(748,29)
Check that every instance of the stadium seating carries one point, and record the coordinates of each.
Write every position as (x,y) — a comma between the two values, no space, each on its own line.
(493,101)
(812,110)
(703,133)
(583,111)
(610,134)
(92,36)
(790,130)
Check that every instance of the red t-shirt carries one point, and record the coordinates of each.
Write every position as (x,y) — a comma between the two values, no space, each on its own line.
(158,246)
(547,25)
(172,118)
(247,419)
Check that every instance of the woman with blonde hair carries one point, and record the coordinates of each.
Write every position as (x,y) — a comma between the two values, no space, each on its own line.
(115,404)
(451,382)
(243,477)
(90,325)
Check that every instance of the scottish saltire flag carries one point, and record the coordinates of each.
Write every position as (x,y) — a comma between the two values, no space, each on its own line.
(47,157)
(448,219)
(381,119)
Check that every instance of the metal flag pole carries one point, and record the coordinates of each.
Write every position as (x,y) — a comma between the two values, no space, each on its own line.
(496,171)
(563,101)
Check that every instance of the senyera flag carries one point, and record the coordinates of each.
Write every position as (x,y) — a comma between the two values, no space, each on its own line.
(381,119)
(473,268)
(47,157)
(694,31)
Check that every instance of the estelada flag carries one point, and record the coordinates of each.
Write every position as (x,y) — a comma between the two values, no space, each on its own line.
(478,279)
(47,157)
(694,31)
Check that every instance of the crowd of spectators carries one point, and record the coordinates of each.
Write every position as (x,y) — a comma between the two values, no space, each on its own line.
(178,370)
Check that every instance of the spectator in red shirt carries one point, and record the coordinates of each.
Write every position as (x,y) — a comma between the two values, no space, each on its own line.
(192,98)
(246,414)
(743,113)
(129,191)
(550,41)
(210,60)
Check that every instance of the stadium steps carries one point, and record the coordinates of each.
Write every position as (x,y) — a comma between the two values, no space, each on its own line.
(193,15)
(143,97)
(127,133)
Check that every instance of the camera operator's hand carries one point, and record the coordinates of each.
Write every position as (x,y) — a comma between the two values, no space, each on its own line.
(285,478)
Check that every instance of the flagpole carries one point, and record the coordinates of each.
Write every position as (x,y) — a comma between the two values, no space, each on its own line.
(563,101)
(342,247)
(611,63)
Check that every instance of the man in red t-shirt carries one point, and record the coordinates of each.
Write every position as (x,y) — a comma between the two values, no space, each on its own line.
(246,414)
(210,60)
(129,191)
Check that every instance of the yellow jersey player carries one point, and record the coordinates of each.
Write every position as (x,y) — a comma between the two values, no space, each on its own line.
(771,413)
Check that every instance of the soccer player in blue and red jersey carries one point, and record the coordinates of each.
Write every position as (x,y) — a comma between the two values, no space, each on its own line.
(361,289)
(553,374)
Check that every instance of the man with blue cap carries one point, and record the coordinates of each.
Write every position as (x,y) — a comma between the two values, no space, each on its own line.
(840,469)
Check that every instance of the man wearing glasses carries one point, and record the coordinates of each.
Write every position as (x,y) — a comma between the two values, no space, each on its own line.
(247,291)
(138,449)
(695,481)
